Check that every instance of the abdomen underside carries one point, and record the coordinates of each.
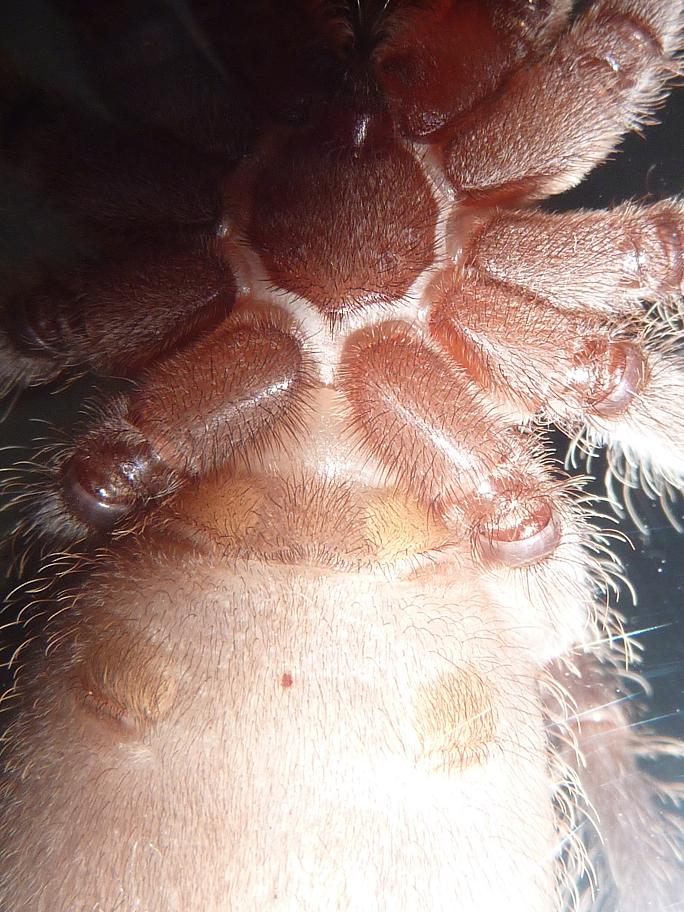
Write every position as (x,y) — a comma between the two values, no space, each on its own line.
(311,613)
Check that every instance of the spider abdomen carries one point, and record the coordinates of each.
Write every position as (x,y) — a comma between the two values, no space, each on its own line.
(391,704)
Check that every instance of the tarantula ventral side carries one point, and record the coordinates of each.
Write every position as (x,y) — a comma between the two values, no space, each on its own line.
(321,623)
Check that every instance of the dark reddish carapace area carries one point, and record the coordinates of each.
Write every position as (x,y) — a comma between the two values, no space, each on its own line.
(342,202)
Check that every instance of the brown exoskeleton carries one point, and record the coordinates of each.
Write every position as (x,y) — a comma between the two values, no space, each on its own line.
(341,636)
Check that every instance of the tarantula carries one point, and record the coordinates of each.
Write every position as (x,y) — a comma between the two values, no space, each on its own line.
(324,625)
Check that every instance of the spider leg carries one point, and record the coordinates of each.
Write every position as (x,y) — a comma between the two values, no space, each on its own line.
(111,179)
(568,338)
(157,72)
(438,60)
(602,261)
(118,315)
(625,801)
(221,399)
(564,113)
(429,426)
(145,209)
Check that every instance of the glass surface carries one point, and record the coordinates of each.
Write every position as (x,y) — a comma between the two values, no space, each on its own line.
(646,167)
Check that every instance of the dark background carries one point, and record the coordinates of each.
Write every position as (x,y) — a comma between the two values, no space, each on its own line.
(647,167)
